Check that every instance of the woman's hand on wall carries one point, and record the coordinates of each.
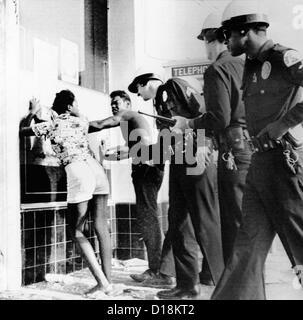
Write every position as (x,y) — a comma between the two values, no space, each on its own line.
(34,105)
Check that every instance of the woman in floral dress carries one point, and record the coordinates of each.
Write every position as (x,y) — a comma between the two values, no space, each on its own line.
(87,184)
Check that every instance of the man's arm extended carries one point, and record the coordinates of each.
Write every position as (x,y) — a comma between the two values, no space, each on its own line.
(107,123)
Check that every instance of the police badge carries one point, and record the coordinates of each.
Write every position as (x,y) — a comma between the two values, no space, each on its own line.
(266,70)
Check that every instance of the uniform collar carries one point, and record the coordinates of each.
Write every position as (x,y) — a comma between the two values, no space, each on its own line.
(264,50)
(222,54)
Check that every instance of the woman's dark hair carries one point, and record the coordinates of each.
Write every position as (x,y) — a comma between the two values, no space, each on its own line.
(63,99)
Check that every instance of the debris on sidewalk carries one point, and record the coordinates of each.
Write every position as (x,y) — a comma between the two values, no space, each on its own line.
(279,277)
(59,278)
(134,263)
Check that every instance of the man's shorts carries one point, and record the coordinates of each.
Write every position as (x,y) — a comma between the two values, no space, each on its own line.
(85,179)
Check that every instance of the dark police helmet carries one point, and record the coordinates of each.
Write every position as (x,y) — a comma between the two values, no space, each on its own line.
(142,79)
(144,74)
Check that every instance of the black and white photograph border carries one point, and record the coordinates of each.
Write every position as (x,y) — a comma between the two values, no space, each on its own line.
(149,66)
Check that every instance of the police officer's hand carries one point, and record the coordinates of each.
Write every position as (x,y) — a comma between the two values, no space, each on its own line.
(206,155)
(181,124)
(275,130)
(203,158)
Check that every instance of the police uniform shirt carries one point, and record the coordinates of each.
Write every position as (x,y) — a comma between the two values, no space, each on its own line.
(177,98)
(222,94)
(272,87)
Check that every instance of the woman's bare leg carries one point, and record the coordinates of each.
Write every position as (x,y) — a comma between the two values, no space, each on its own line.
(78,215)
(99,214)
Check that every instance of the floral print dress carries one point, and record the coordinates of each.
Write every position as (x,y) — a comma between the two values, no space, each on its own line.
(68,136)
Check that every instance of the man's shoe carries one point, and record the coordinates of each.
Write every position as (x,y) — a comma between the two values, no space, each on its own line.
(159,281)
(181,294)
(147,274)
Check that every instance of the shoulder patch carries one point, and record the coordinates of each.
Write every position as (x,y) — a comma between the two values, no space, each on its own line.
(291,57)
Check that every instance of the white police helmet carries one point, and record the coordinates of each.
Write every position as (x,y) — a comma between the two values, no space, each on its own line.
(239,14)
(211,23)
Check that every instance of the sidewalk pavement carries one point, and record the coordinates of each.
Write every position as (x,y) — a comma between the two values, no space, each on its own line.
(281,282)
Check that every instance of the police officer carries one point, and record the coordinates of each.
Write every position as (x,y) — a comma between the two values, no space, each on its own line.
(225,119)
(273,197)
(192,198)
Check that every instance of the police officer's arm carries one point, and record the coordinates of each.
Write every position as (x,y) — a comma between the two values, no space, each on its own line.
(217,101)
(182,99)
(294,70)
(111,122)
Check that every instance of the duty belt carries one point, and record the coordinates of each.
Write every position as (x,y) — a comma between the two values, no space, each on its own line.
(264,143)
(232,141)
(291,157)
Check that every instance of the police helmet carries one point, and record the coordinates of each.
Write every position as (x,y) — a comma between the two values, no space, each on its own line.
(241,14)
(144,74)
(211,28)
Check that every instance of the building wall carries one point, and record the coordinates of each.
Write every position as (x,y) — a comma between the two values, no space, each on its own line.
(10,253)
(47,246)
(121,40)
(286,22)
